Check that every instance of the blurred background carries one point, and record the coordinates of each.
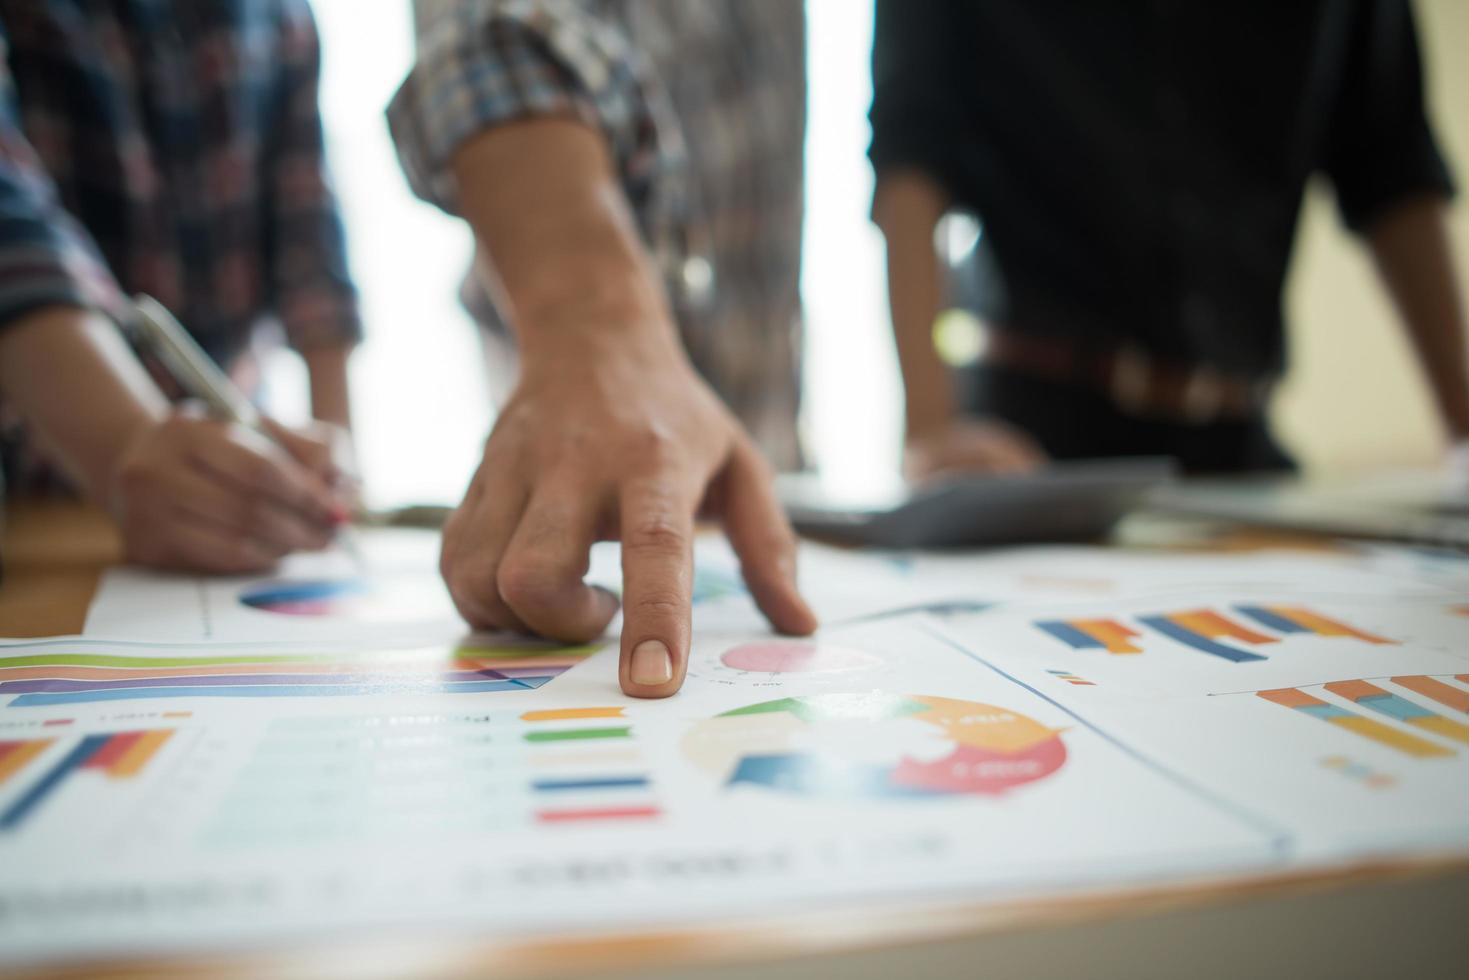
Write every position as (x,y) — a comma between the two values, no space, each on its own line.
(1352,399)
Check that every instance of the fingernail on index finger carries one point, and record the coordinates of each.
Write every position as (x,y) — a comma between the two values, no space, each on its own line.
(652,666)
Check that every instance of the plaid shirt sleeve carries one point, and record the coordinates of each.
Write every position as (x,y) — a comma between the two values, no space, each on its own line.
(312,288)
(46,257)
(485,62)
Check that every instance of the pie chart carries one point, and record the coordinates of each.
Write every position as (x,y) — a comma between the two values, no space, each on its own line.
(795,657)
(875,745)
(308,597)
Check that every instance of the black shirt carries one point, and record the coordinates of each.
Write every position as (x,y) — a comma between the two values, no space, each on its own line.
(1138,168)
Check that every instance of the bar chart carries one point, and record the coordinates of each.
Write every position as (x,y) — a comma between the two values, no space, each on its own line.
(118,756)
(387,777)
(1386,717)
(1237,636)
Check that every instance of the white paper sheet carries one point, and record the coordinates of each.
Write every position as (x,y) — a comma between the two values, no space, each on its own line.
(394,595)
(183,779)
(901,766)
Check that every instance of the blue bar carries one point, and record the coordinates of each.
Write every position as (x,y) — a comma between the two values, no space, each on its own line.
(1071,636)
(1273,620)
(1325,711)
(272,691)
(76,758)
(1188,637)
(1395,707)
(627,782)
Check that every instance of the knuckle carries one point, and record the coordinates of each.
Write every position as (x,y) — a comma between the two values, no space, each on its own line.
(659,534)
(655,445)
(474,581)
(659,604)
(527,584)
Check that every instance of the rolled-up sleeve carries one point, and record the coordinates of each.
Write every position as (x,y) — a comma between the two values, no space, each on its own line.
(481,63)
(45,256)
(915,87)
(1381,147)
(313,294)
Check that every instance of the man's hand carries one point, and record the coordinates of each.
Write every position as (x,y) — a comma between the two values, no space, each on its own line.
(621,441)
(609,434)
(970,445)
(192,493)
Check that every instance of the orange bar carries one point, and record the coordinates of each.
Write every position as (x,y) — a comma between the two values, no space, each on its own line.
(1110,633)
(564,714)
(1436,690)
(1355,690)
(15,755)
(1210,624)
(1322,626)
(1290,697)
(132,762)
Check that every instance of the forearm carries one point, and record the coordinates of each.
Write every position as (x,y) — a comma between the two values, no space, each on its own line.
(907,207)
(67,372)
(331,399)
(1415,259)
(550,215)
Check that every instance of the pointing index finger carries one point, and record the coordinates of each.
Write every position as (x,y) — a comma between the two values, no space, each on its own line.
(657,522)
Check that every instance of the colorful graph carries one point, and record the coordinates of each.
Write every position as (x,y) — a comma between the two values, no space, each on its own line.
(62,678)
(334,776)
(118,756)
(1294,619)
(876,745)
(600,775)
(1071,678)
(14,756)
(1361,724)
(1206,631)
(1203,628)
(1093,634)
(1436,690)
(795,657)
(322,597)
(1399,708)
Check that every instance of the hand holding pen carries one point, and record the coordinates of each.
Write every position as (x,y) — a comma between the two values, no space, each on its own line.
(216,485)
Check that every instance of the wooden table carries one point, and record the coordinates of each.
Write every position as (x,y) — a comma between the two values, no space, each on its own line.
(1402,919)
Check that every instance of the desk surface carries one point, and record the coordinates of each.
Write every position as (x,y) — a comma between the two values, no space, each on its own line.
(1363,920)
